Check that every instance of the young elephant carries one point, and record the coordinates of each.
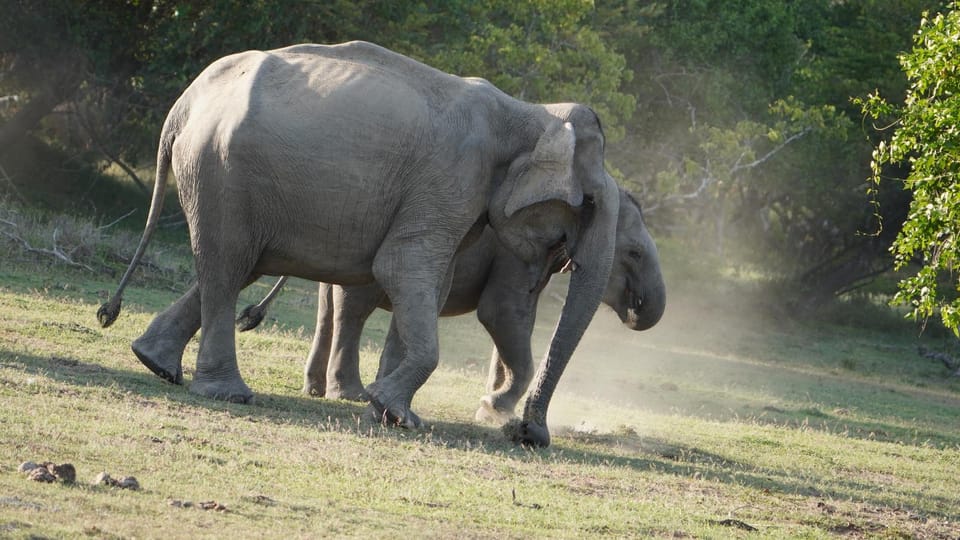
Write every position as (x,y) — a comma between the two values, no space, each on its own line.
(489,279)
(351,164)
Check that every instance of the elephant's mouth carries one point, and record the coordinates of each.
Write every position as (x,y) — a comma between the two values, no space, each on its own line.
(638,313)
(634,313)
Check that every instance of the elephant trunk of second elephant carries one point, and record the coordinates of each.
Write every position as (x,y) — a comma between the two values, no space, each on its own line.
(651,296)
(651,308)
(593,260)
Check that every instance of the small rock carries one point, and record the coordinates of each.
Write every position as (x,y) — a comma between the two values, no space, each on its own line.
(260,499)
(41,474)
(213,505)
(124,482)
(66,472)
(104,479)
(128,482)
(26,467)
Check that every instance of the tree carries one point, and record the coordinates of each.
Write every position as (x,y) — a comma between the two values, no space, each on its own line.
(745,145)
(117,66)
(926,136)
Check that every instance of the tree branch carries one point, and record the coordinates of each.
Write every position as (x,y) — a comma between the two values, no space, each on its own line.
(56,251)
(88,127)
(13,187)
(761,160)
(118,220)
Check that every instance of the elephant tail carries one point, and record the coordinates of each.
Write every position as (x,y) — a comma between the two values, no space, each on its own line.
(110,310)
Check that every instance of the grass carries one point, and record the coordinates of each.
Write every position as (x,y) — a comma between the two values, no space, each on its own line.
(714,421)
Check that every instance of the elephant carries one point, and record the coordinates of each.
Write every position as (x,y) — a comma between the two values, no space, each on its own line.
(351,164)
(488,279)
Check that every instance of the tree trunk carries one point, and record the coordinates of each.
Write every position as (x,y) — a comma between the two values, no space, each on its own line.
(35,110)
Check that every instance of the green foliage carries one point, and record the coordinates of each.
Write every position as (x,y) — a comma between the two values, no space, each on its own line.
(135,57)
(746,144)
(541,51)
(927,137)
(732,122)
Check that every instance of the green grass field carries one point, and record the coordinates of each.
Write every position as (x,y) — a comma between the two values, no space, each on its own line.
(717,423)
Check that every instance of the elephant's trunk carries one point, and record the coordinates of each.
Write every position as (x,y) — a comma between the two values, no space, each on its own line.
(650,299)
(650,307)
(593,259)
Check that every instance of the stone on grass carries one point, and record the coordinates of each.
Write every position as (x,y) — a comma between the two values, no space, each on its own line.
(48,471)
(65,473)
(128,482)
(41,474)
(26,467)
(124,482)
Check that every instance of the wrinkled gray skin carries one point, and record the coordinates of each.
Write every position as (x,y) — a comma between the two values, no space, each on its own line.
(489,279)
(350,163)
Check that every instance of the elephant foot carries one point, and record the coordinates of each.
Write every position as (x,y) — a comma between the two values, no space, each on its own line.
(347,392)
(152,354)
(390,409)
(230,389)
(314,389)
(527,433)
(405,419)
(489,413)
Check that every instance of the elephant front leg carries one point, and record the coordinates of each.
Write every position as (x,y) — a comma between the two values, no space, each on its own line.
(508,313)
(393,351)
(511,371)
(416,296)
(161,347)
(391,395)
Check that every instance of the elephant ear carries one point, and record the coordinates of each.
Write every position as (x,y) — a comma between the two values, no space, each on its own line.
(547,173)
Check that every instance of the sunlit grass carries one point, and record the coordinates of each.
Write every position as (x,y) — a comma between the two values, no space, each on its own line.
(705,423)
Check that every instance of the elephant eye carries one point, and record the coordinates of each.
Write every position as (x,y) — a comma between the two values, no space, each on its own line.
(635,255)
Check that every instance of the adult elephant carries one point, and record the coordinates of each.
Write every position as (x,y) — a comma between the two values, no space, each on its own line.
(350,163)
(502,289)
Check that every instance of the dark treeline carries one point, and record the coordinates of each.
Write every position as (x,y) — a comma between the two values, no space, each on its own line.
(731,121)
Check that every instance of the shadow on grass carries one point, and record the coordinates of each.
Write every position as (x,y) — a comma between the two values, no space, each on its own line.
(667,457)
(833,401)
(626,449)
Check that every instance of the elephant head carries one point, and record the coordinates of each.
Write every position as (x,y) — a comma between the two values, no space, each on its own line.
(560,193)
(636,291)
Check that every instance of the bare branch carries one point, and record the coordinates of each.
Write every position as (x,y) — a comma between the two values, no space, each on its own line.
(118,220)
(13,187)
(88,127)
(705,182)
(761,160)
(56,252)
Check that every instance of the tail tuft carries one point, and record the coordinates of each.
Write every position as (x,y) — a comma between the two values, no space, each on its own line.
(109,312)
(250,317)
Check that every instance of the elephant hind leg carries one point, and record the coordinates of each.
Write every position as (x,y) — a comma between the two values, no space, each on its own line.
(222,275)
(315,368)
(352,307)
(161,346)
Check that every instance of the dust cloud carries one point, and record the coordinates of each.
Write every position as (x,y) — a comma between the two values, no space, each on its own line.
(695,361)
